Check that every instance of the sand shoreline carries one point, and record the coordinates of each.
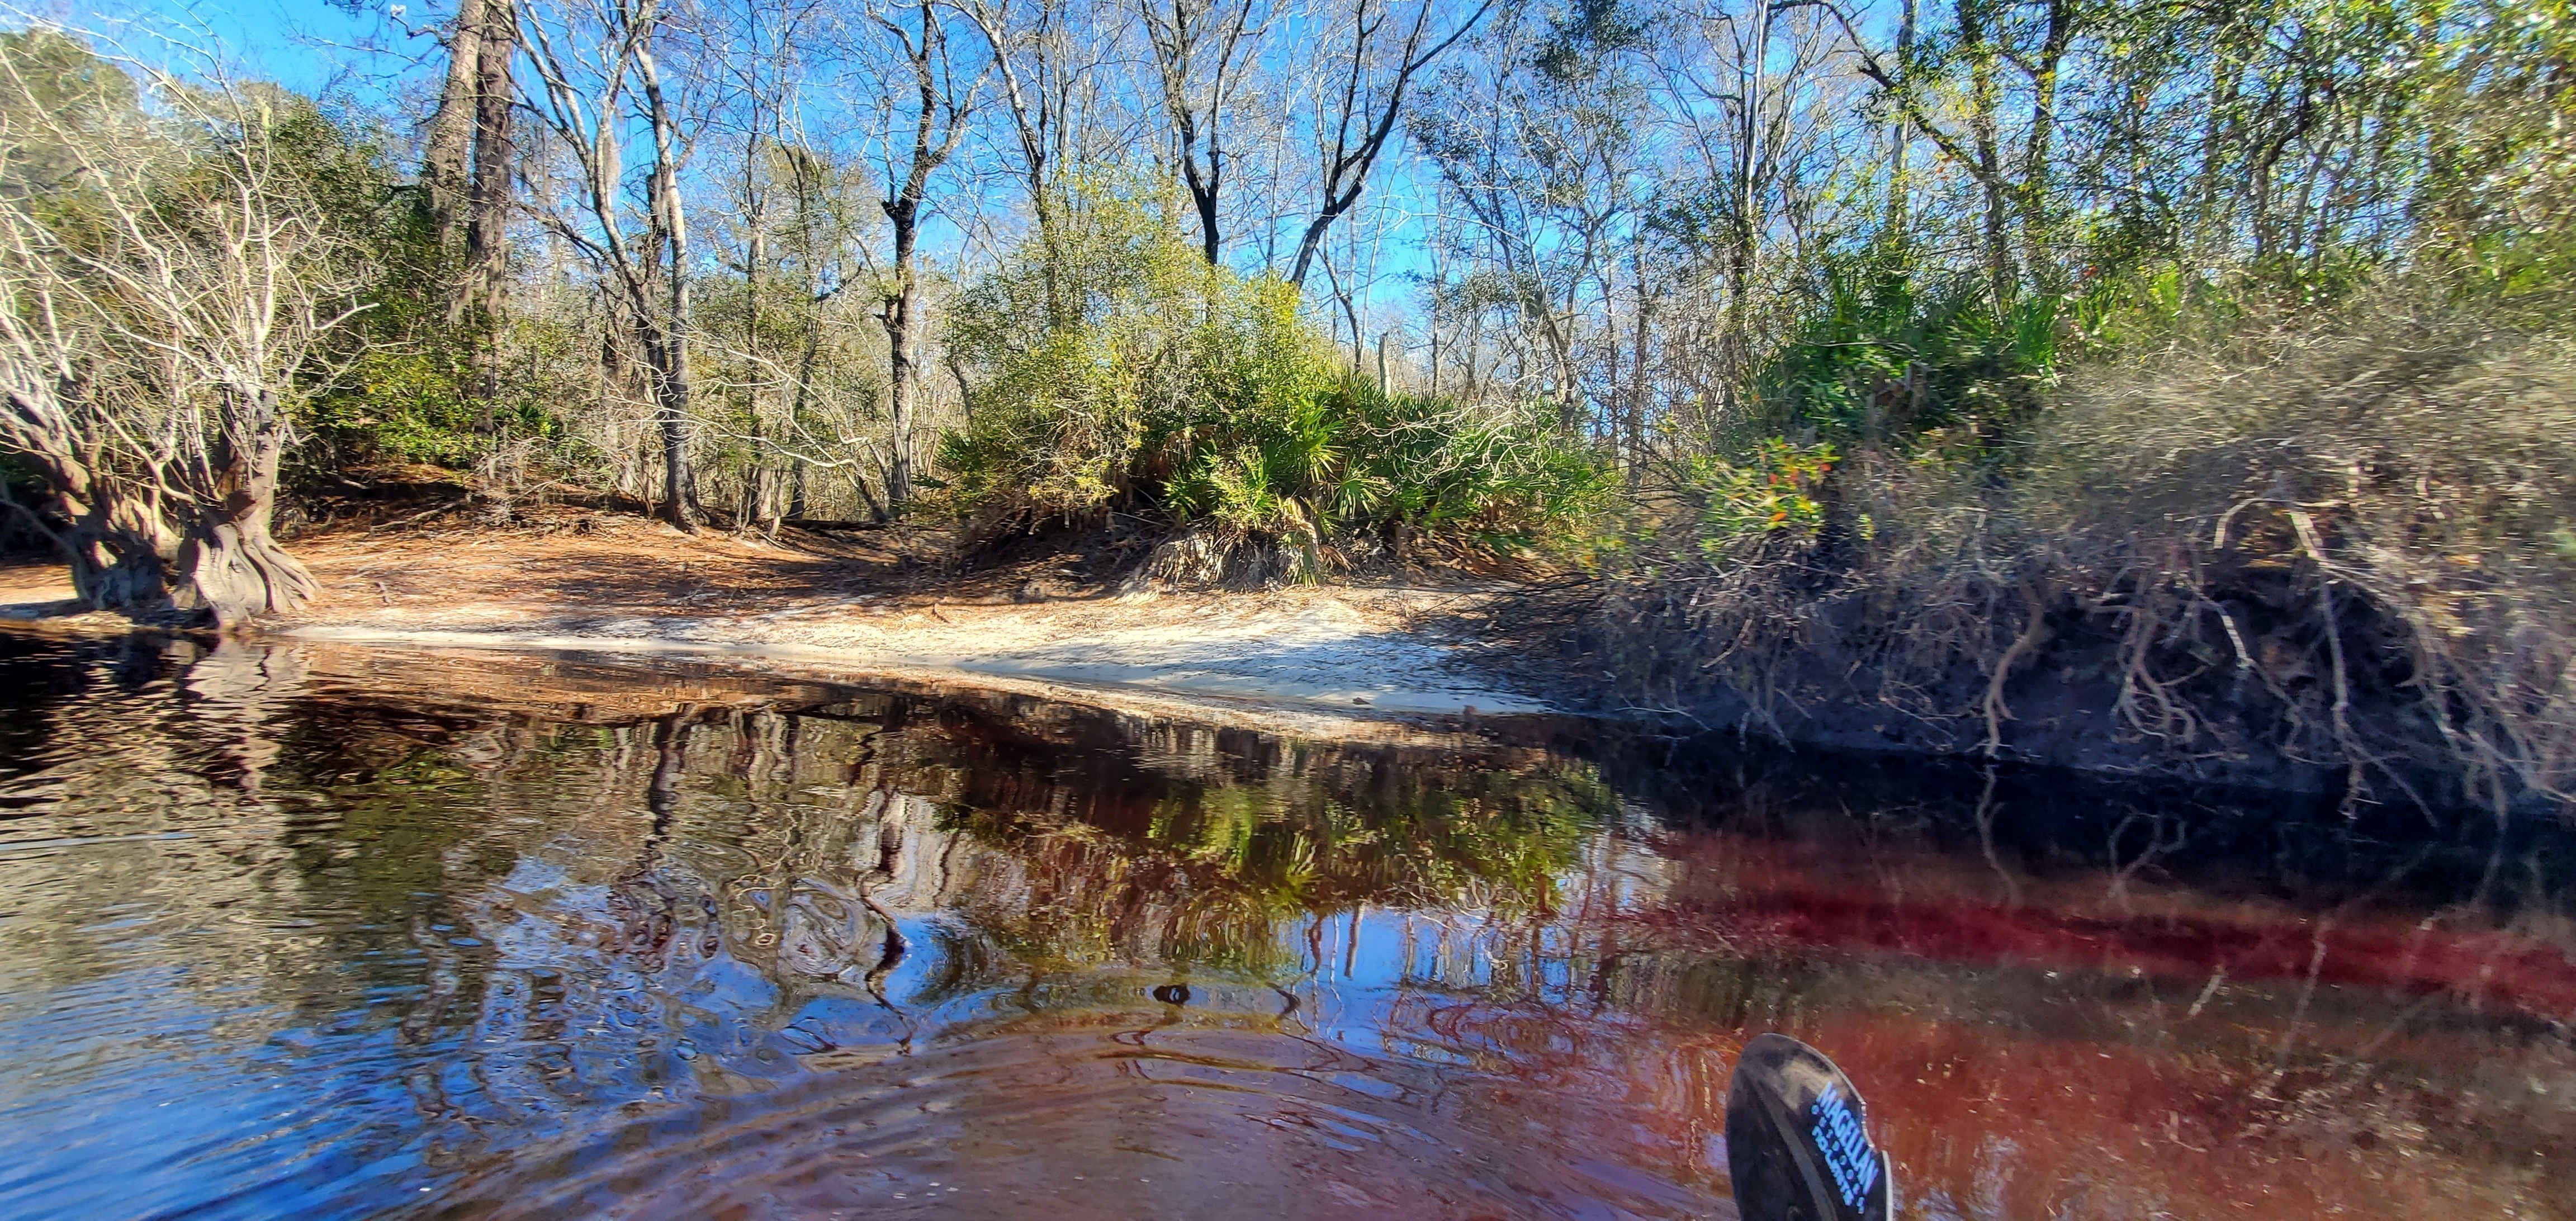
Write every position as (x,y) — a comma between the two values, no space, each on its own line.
(1314,660)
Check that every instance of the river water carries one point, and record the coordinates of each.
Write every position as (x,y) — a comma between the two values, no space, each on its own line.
(334,932)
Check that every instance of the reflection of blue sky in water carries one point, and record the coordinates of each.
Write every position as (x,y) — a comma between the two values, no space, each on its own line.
(282,962)
(326,932)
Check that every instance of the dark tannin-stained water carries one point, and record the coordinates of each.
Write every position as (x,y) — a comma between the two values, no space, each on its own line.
(315,932)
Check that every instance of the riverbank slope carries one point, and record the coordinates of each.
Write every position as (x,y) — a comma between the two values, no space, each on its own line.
(889,602)
(1066,620)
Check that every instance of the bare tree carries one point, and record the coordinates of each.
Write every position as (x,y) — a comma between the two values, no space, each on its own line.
(1753,98)
(1538,154)
(596,71)
(1201,48)
(940,107)
(762,66)
(172,290)
(1047,58)
(1372,99)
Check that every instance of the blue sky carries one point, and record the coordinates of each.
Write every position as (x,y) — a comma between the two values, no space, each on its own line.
(319,48)
(305,45)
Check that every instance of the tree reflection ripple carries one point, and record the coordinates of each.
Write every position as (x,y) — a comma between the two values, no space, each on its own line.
(325,931)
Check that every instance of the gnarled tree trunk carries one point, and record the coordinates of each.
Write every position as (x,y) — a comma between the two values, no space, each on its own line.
(120,549)
(114,536)
(229,565)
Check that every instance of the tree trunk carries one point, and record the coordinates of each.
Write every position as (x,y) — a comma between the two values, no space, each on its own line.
(1977,41)
(902,207)
(668,343)
(451,129)
(487,232)
(2038,257)
(1899,145)
(120,549)
(488,200)
(668,354)
(903,352)
(115,539)
(1640,387)
(1203,189)
(1751,81)
(228,563)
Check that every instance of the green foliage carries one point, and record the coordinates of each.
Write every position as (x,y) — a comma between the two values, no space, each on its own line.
(406,395)
(406,389)
(1881,357)
(1123,372)
(1112,354)
(1774,490)
(56,82)
(1232,861)
(396,405)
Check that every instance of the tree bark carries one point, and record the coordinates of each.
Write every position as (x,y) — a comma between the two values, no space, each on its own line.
(1978,41)
(488,200)
(119,548)
(487,235)
(451,128)
(903,353)
(666,355)
(667,340)
(115,537)
(229,564)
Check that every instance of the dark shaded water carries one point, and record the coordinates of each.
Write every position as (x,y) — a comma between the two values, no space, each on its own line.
(328,932)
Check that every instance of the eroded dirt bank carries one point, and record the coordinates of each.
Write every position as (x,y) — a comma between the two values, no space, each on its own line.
(1353,661)
(885,603)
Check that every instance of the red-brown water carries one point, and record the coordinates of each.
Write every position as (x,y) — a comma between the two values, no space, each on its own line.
(329,933)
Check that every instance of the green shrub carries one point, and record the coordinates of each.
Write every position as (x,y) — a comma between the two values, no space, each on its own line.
(1775,489)
(1121,372)
(1882,357)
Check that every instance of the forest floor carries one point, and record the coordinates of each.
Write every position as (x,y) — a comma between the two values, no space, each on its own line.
(891,602)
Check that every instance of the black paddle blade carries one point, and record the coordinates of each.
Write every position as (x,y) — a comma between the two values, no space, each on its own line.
(1795,1144)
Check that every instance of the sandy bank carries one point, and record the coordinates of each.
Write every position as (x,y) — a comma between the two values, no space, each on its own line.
(1302,659)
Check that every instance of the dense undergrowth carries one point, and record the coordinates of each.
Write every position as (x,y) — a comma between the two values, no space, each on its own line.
(1120,373)
(2307,513)
(2340,539)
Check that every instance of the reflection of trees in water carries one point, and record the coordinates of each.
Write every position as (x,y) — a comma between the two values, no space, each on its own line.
(710,893)
(146,791)
(797,844)
(1224,868)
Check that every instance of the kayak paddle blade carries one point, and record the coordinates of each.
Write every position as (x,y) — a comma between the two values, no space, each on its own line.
(1797,1146)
